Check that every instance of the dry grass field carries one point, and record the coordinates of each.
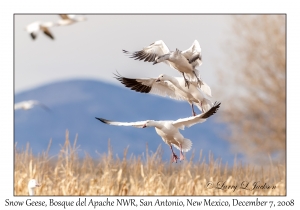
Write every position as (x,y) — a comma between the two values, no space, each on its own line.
(66,174)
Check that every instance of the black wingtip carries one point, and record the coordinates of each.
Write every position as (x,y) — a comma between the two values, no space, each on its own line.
(102,120)
(118,76)
(212,110)
(193,59)
(33,36)
(48,109)
(133,84)
(117,73)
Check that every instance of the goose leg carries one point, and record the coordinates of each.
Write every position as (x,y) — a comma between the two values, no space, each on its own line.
(181,154)
(199,81)
(186,81)
(201,107)
(193,111)
(174,156)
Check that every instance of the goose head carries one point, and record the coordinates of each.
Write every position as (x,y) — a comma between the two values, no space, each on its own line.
(161,58)
(148,123)
(157,60)
(161,77)
(32,184)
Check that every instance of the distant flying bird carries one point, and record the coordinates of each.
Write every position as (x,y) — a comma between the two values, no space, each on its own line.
(34,28)
(183,61)
(69,19)
(32,184)
(25,105)
(169,130)
(173,87)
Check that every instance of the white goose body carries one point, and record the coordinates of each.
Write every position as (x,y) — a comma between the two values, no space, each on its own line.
(179,62)
(169,130)
(26,105)
(183,61)
(193,94)
(69,19)
(171,135)
(173,87)
(34,28)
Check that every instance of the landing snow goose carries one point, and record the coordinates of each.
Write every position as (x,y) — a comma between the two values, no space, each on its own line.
(25,105)
(183,61)
(34,28)
(169,130)
(32,184)
(173,87)
(69,19)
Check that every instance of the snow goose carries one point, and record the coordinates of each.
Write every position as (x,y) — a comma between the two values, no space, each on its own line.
(69,19)
(173,87)
(32,184)
(34,28)
(169,130)
(183,61)
(25,105)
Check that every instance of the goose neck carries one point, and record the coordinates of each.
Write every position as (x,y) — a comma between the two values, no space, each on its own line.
(173,80)
(31,191)
(156,124)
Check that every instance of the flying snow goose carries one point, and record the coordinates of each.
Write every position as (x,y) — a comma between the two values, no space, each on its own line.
(183,61)
(25,105)
(32,184)
(169,130)
(173,87)
(34,28)
(69,19)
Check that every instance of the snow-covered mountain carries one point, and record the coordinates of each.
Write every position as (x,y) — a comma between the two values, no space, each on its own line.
(74,105)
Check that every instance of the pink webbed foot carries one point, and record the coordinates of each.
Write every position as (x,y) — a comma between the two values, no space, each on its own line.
(174,158)
(194,113)
(181,156)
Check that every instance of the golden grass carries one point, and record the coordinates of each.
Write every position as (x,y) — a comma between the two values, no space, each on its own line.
(66,174)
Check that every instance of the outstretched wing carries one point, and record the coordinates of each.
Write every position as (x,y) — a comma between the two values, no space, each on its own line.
(33,35)
(193,54)
(189,121)
(138,124)
(150,52)
(44,107)
(64,16)
(205,88)
(149,85)
(38,103)
(47,32)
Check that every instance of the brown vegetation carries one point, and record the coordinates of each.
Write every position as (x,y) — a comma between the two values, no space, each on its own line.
(68,175)
(254,103)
